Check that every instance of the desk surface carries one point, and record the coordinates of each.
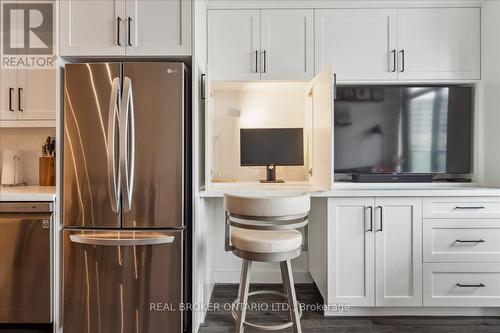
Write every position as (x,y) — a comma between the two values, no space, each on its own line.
(351,190)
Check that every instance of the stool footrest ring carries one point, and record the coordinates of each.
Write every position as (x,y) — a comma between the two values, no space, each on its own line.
(264,327)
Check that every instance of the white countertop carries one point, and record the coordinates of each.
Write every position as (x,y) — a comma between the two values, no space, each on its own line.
(353,190)
(28,193)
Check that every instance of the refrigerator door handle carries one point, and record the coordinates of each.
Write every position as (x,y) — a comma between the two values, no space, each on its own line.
(127,144)
(113,178)
(116,238)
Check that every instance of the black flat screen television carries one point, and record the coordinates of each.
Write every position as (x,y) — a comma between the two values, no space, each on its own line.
(403,129)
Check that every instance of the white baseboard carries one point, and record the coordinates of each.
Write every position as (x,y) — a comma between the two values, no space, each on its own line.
(258,276)
(410,311)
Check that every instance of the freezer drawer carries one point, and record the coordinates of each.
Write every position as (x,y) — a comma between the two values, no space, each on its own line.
(122,281)
(25,268)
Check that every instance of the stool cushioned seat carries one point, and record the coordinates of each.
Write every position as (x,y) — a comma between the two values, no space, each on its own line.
(266,241)
(267,205)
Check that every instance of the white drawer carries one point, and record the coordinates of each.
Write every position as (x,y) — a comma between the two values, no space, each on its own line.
(461,240)
(461,207)
(454,284)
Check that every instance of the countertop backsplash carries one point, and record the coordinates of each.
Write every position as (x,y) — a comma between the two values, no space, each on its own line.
(28,141)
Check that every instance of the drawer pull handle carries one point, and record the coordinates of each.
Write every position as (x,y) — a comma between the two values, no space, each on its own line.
(479,285)
(470,207)
(471,241)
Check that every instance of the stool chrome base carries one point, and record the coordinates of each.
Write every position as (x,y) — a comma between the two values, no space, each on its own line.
(240,304)
(264,327)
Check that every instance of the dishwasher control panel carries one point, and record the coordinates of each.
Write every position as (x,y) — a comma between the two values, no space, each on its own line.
(26,207)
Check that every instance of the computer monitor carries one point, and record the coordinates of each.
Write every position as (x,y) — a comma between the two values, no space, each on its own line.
(271,147)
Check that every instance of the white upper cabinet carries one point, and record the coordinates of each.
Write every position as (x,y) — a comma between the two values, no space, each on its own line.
(287,44)
(439,44)
(158,27)
(360,42)
(92,28)
(8,93)
(261,44)
(234,44)
(36,94)
(125,27)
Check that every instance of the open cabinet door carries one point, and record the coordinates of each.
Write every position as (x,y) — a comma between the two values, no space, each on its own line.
(322,91)
(208,98)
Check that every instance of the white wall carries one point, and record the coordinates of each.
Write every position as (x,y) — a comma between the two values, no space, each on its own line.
(491,92)
(262,104)
(29,142)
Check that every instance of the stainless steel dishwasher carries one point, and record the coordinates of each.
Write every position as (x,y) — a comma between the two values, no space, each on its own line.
(26,262)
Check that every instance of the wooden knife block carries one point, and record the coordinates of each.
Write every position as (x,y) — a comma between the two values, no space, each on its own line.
(46,171)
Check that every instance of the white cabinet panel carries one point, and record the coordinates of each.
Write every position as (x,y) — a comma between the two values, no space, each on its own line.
(360,42)
(234,44)
(439,43)
(462,208)
(158,27)
(92,28)
(37,94)
(398,242)
(8,94)
(454,284)
(287,44)
(353,251)
(461,240)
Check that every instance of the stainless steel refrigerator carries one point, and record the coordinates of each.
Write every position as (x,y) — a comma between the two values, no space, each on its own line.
(126,197)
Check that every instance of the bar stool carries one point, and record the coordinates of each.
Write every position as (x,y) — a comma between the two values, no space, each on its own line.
(264,229)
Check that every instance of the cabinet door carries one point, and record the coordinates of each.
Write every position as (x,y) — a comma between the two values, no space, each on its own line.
(158,28)
(234,44)
(287,44)
(8,93)
(352,264)
(398,242)
(361,43)
(36,94)
(439,43)
(92,28)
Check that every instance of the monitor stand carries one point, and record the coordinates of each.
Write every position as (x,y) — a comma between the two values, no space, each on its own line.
(271,175)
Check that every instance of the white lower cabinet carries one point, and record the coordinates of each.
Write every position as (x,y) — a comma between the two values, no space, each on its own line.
(353,248)
(462,284)
(398,251)
(377,245)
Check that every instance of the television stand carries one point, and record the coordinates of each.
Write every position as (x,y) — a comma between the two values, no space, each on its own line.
(391,178)
(271,175)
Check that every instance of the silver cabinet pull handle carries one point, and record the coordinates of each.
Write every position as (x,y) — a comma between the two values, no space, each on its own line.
(129,40)
(402,60)
(256,61)
(127,144)
(470,207)
(264,53)
(203,88)
(381,219)
(393,61)
(470,241)
(113,178)
(118,24)
(478,285)
(117,239)
(11,108)
(19,99)
(334,86)
(371,218)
